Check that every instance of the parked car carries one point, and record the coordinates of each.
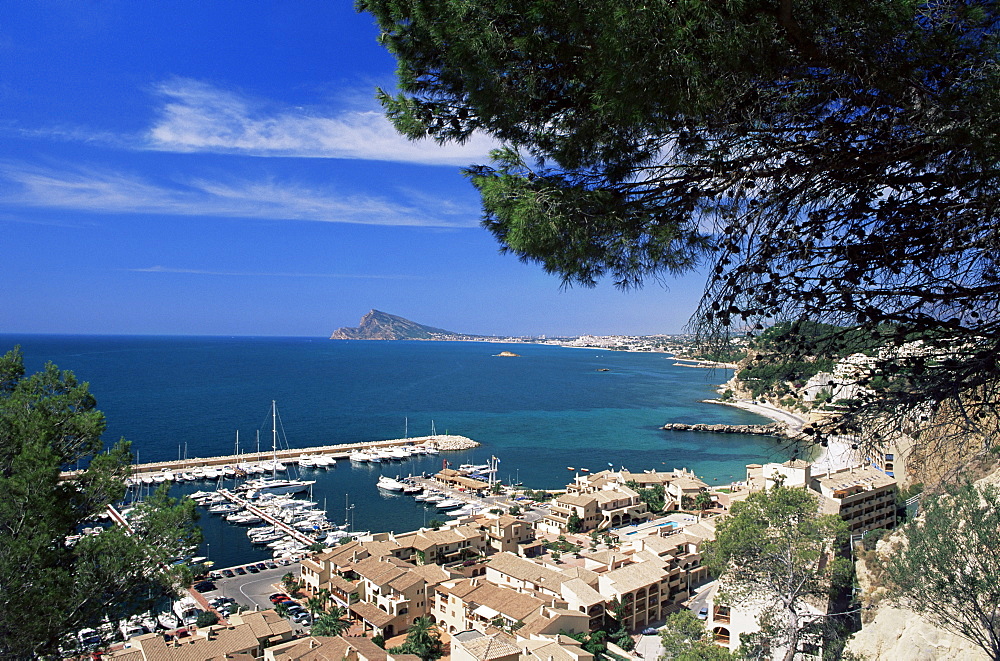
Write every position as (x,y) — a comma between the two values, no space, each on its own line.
(240,571)
(270,564)
(228,573)
(261,566)
(204,586)
(703,613)
(253,569)
(277,596)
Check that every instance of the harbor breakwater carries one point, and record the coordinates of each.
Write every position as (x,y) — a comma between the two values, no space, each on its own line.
(443,443)
(773,429)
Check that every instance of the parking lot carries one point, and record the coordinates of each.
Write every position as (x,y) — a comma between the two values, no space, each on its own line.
(251,590)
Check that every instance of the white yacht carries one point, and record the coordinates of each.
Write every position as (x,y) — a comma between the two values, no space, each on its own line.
(187,610)
(168,620)
(389,484)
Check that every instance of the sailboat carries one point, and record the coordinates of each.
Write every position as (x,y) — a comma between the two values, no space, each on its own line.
(273,484)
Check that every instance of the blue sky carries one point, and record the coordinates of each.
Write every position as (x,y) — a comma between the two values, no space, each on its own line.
(222,168)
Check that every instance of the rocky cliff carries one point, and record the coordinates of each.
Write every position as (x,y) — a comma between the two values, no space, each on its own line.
(378,325)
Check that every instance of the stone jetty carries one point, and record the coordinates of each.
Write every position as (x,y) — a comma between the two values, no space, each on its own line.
(773,429)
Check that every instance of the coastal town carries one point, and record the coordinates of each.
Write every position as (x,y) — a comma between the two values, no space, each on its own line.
(518,574)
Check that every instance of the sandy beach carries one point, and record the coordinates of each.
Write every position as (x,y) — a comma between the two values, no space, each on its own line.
(836,455)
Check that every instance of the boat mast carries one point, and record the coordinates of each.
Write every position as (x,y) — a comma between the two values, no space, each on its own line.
(274,437)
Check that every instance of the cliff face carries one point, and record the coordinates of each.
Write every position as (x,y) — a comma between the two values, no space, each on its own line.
(889,633)
(377,325)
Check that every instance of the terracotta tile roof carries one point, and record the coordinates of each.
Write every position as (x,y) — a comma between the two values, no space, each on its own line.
(371,613)
(513,604)
(382,571)
(487,648)
(634,576)
(579,500)
(583,593)
(368,650)
(432,574)
(265,624)
(344,585)
(222,641)
(522,569)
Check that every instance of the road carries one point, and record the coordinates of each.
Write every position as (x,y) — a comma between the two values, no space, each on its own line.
(253,590)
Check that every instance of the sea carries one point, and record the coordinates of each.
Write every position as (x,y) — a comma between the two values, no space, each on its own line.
(545,415)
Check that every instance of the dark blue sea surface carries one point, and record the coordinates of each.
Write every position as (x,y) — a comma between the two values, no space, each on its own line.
(540,414)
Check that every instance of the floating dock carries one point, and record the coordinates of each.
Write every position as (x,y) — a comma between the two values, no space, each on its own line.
(443,443)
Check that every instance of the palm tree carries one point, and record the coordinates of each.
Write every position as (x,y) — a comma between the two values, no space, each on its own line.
(333,622)
(281,608)
(316,604)
(423,639)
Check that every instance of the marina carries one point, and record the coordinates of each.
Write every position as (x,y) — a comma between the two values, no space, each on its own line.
(324,456)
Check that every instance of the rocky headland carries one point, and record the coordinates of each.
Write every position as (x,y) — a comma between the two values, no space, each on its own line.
(378,325)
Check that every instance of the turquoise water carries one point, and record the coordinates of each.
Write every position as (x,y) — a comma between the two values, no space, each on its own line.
(539,414)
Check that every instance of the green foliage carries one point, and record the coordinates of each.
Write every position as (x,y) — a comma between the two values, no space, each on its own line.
(594,642)
(574,523)
(435,524)
(948,569)
(703,500)
(206,619)
(379,640)
(871,539)
(48,422)
(831,162)
(289,582)
(315,604)
(684,638)
(654,497)
(515,510)
(562,545)
(778,549)
(333,622)
(422,639)
(540,495)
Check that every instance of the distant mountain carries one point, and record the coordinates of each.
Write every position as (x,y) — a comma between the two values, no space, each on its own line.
(377,325)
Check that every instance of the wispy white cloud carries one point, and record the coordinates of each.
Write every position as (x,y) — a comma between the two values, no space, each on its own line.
(198,117)
(104,191)
(355,276)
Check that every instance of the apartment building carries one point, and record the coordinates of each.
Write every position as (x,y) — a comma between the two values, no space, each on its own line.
(393,593)
(863,497)
(506,533)
(574,586)
(484,606)
(611,506)
(448,544)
